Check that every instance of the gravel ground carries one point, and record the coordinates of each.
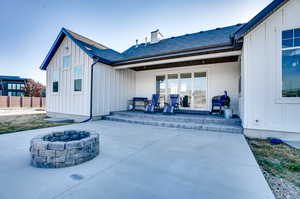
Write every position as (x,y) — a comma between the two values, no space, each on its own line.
(281,188)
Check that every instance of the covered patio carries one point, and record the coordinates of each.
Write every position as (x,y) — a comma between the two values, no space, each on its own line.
(195,79)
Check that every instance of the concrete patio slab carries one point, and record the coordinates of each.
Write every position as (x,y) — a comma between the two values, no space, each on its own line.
(138,161)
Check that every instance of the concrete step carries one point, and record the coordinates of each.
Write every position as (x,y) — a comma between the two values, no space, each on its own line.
(184,125)
(183,118)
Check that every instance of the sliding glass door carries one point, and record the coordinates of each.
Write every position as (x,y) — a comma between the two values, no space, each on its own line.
(186,89)
(191,87)
(172,84)
(200,91)
(161,88)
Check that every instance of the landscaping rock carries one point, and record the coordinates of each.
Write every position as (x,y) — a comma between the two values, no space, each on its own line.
(281,188)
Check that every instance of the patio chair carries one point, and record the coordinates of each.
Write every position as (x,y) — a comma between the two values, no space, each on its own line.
(172,105)
(153,105)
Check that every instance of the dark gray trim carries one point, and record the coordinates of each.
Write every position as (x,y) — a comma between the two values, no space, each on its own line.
(259,18)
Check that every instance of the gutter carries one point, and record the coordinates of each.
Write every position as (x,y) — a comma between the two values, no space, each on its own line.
(186,52)
(181,59)
(95,61)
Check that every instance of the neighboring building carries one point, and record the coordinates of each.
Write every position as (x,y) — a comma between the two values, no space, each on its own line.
(258,63)
(12,86)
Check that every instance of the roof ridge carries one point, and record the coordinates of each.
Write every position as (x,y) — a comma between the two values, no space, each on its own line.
(189,34)
(87,40)
(204,31)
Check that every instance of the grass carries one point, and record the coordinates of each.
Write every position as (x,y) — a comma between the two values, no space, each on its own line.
(11,124)
(280,160)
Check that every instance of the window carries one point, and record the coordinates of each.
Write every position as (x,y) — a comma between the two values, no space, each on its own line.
(161,88)
(12,86)
(77,78)
(66,61)
(18,86)
(172,84)
(55,80)
(291,63)
(22,86)
(13,94)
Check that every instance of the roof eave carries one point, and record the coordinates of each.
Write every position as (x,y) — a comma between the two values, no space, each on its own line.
(252,24)
(57,43)
(178,54)
(53,49)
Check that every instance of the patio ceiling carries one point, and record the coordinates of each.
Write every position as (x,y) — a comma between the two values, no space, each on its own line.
(189,63)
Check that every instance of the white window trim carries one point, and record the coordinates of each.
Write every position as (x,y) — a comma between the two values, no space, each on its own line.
(73,79)
(67,53)
(278,43)
(70,66)
(55,93)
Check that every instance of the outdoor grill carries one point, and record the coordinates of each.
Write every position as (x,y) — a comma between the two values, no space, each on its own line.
(220,102)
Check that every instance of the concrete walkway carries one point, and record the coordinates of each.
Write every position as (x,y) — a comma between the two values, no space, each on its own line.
(138,162)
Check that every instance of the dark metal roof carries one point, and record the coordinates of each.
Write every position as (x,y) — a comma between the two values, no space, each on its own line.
(92,48)
(210,39)
(260,17)
(95,49)
(11,78)
(200,40)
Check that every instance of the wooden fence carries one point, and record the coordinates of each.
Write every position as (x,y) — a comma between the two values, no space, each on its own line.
(17,101)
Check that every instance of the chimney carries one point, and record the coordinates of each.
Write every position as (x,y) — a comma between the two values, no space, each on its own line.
(136,43)
(155,36)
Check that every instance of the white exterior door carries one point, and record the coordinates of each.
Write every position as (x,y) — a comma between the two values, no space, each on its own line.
(191,87)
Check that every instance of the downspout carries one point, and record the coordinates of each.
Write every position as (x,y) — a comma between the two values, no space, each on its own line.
(95,61)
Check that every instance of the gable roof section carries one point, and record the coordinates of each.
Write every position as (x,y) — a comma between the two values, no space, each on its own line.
(260,17)
(211,39)
(91,48)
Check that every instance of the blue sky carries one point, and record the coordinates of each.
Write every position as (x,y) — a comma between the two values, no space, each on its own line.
(29,28)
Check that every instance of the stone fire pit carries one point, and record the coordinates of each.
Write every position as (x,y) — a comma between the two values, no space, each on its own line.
(63,149)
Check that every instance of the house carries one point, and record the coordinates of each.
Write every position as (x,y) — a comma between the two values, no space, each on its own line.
(12,86)
(257,63)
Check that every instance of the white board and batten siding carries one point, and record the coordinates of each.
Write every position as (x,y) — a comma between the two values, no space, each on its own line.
(261,66)
(112,89)
(111,92)
(66,101)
